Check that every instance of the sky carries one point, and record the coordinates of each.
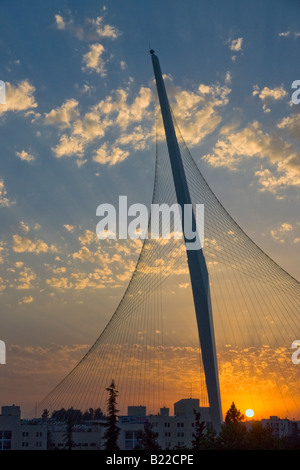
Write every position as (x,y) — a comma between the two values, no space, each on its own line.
(78,130)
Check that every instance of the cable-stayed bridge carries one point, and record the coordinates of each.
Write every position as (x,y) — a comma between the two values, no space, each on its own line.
(217,323)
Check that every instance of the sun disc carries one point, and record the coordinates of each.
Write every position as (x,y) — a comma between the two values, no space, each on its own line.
(249,413)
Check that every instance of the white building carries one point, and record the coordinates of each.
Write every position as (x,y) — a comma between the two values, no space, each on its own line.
(87,436)
(18,435)
(280,427)
(173,431)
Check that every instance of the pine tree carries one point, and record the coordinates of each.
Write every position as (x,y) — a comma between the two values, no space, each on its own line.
(112,432)
(233,415)
(68,436)
(198,435)
(45,414)
(233,434)
(148,441)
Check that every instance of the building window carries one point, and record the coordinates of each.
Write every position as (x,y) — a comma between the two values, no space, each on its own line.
(167,425)
(132,439)
(5,440)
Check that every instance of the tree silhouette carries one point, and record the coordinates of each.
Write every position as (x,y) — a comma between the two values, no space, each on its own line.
(112,432)
(148,438)
(68,436)
(198,435)
(233,432)
(45,414)
(261,437)
(65,415)
(233,415)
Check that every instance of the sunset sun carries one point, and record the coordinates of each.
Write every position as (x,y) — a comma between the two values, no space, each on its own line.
(249,413)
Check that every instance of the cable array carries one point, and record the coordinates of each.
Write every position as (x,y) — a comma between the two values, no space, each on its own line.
(150,346)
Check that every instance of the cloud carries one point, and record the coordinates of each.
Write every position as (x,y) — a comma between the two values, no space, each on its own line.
(4,200)
(184,285)
(90,29)
(60,270)
(2,285)
(279,233)
(100,29)
(196,112)
(1,257)
(286,34)
(138,138)
(97,279)
(93,60)
(253,142)
(69,228)
(25,279)
(63,115)
(24,244)
(59,283)
(83,132)
(110,156)
(69,145)
(24,227)
(117,105)
(26,300)
(236,44)
(276,182)
(96,265)
(88,237)
(19,264)
(25,156)
(291,125)
(19,97)
(60,24)
(116,110)
(268,94)
(271,148)
(129,122)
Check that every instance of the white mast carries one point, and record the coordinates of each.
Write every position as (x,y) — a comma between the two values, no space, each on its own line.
(196,261)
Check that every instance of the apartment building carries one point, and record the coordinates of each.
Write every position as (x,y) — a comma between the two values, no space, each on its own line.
(20,435)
